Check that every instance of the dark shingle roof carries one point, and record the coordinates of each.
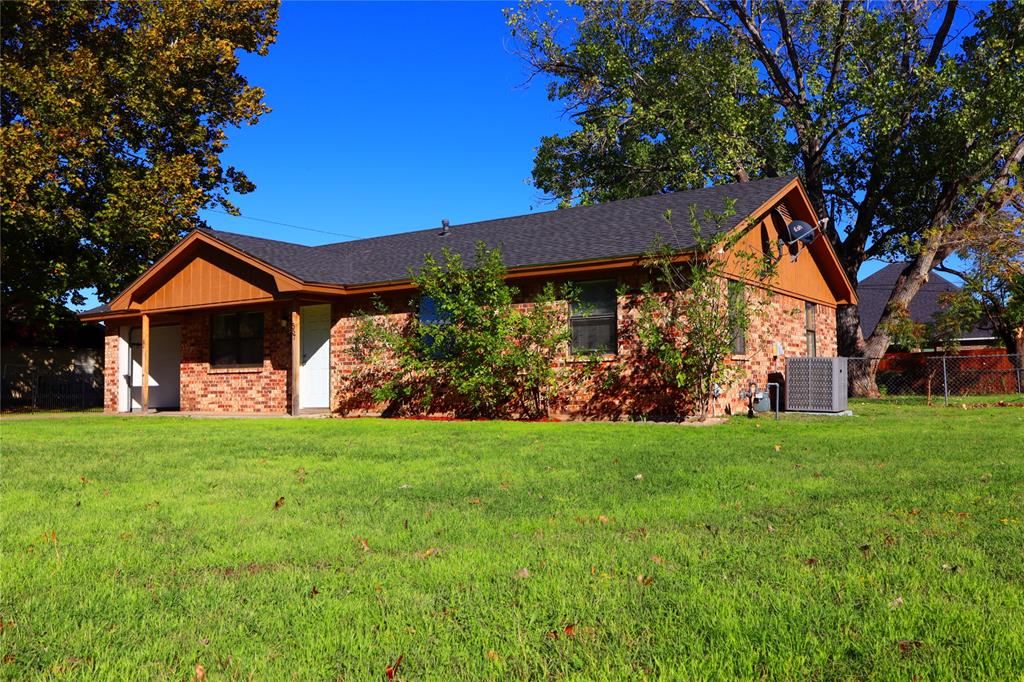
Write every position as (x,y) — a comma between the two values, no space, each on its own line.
(874,292)
(615,229)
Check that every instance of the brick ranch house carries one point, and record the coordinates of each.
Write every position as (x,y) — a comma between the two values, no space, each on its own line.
(230,323)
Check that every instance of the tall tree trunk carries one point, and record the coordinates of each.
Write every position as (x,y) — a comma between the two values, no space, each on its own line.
(907,285)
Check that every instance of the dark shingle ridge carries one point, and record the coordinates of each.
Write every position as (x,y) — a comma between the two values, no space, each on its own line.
(614,229)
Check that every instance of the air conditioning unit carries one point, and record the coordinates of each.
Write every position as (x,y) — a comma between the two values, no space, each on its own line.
(816,384)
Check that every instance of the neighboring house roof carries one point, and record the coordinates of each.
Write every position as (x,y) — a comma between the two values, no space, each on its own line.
(874,293)
(615,229)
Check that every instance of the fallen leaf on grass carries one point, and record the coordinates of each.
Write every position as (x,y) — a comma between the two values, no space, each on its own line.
(492,655)
(84,480)
(523,573)
(505,485)
(279,503)
(475,500)
(889,541)
(301,474)
(644,580)
(603,519)
(205,641)
(865,548)
(391,669)
(364,543)
(896,603)
(200,673)
(657,559)
(777,447)
(404,486)
(952,568)
(771,528)
(568,631)
(314,592)
(915,511)
(8,659)
(811,561)
(427,553)
(907,646)
(638,477)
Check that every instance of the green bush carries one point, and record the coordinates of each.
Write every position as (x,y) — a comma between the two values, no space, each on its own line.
(480,356)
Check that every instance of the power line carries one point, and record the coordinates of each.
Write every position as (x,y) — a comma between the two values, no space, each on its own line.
(277,222)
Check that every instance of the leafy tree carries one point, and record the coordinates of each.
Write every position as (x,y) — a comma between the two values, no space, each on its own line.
(114,117)
(690,312)
(993,290)
(903,119)
(479,354)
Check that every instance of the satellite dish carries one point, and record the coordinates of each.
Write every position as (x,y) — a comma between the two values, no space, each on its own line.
(800,232)
(796,236)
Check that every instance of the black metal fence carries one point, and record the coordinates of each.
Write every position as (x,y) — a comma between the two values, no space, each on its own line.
(942,379)
(61,392)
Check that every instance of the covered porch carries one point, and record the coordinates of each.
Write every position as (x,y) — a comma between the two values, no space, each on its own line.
(206,330)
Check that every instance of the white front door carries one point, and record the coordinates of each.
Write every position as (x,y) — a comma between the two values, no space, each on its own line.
(164,367)
(315,370)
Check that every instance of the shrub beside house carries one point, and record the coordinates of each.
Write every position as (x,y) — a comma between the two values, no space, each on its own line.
(231,323)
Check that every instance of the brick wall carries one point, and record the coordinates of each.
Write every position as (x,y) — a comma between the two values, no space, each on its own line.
(616,387)
(228,389)
(779,319)
(110,367)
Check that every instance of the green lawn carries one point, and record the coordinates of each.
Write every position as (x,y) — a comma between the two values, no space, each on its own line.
(883,546)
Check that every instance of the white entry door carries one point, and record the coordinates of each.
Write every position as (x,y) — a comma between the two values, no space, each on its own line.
(164,367)
(315,370)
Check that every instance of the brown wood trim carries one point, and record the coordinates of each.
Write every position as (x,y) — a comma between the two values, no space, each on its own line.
(145,364)
(285,282)
(757,284)
(296,356)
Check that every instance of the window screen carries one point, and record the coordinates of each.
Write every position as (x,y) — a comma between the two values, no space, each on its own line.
(739,335)
(811,328)
(236,339)
(433,317)
(594,318)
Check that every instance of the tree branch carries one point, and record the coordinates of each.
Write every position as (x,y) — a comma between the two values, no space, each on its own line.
(940,38)
(844,14)
(794,57)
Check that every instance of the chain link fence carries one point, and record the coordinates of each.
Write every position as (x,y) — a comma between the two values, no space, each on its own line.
(942,379)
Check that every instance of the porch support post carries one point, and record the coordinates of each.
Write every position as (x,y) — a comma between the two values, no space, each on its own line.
(145,363)
(296,356)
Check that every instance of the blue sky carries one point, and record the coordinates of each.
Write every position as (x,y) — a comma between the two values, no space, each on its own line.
(388,117)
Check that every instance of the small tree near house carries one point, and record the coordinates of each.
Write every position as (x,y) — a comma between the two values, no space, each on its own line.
(472,351)
(692,311)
